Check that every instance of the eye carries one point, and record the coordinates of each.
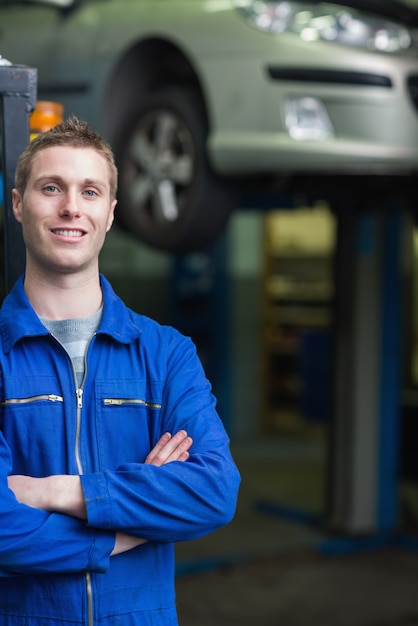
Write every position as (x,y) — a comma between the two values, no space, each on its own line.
(51,188)
(90,193)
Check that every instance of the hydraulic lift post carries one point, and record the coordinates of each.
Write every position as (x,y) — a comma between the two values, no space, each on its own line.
(18,86)
(366,425)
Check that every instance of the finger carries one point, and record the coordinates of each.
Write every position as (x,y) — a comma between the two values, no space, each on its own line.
(181,452)
(164,447)
(164,439)
(169,450)
(184,456)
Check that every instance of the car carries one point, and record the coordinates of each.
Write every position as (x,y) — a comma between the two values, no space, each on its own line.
(210,102)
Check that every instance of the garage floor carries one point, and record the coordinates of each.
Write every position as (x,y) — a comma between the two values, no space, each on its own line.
(268,570)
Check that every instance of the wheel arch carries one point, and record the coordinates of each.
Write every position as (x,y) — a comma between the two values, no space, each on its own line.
(148,66)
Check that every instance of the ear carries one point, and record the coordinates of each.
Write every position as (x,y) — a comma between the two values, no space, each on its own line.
(111,215)
(17,205)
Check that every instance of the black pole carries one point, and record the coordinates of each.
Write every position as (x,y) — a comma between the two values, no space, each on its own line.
(17,100)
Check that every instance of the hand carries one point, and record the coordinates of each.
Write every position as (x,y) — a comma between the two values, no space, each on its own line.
(170,448)
(124,542)
(26,489)
(60,493)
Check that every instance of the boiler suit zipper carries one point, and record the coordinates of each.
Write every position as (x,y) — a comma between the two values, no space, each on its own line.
(79,464)
(79,394)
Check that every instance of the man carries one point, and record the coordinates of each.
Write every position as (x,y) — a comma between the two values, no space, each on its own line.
(97,489)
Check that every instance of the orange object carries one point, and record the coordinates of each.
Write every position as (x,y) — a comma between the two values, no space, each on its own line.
(45,116)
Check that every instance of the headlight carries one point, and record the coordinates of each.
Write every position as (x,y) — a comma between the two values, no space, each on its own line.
(328,22)
(307,118)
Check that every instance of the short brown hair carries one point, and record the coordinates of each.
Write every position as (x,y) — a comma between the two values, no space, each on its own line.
(71,132)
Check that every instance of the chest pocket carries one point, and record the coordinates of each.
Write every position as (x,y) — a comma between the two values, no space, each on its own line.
(128,420)
(33,423)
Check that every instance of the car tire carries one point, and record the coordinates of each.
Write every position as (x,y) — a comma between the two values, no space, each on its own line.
(168,195)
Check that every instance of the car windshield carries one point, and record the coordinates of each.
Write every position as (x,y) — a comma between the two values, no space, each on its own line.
(397,10)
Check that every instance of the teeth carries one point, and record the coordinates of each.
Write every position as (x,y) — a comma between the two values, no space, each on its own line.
(68,233)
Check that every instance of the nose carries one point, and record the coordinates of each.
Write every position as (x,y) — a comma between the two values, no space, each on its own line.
(70,206)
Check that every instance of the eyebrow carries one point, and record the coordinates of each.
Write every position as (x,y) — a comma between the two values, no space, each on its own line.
(92,182)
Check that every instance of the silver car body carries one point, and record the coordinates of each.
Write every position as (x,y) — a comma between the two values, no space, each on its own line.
(81,60)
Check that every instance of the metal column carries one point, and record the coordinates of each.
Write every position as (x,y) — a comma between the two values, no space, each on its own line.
(364,446)
(17,100)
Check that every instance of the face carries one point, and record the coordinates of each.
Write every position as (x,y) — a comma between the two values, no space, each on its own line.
(66,210)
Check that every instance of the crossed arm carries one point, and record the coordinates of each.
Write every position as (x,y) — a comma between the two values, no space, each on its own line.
(63,493)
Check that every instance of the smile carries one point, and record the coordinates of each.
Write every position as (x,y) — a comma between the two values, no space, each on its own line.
(68,233)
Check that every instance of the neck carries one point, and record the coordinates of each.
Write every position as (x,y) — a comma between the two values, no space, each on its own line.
(65,298)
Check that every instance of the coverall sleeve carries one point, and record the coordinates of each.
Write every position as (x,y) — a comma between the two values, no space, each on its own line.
(34,541)
(179,500)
